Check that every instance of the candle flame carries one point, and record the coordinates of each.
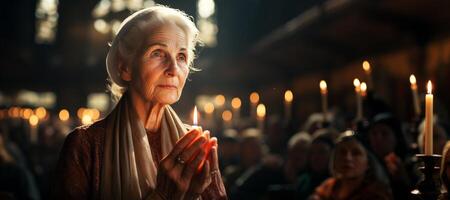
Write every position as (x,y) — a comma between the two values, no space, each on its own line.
(220,100)
(227,115)
(363,87)
(195,118)
(261,110)
(288,96)
(366,66)
(356,82)
(254,97)
(412,79)
(429,87)
(209,107)
(323,85)
(236,103)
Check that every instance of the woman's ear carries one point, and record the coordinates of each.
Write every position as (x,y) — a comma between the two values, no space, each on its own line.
(125,71)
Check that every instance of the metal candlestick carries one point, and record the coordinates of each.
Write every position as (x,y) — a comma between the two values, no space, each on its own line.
(430,187)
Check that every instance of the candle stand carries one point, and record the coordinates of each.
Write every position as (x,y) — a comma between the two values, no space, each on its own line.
(430,187)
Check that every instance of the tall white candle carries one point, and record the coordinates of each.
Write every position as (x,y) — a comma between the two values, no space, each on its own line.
(368,70)
(288,97)
(324,95)
(254,99)
(359,108)
(236,105)
(415,95)
(428,136)
(261,115)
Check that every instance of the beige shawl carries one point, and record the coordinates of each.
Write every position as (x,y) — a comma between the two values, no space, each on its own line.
(129,171)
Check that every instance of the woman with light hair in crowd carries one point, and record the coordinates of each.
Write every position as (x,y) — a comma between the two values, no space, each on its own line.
(142,150)
(356,174)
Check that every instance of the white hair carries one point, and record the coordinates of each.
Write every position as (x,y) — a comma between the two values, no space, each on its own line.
(133,31)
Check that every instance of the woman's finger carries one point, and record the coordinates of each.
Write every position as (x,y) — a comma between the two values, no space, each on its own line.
(214,158)
(189,152)
(190,168)
(182,143)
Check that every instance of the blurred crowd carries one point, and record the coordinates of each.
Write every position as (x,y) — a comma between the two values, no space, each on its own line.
(337,158)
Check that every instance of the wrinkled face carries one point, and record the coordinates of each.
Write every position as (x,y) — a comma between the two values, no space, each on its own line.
(319,155)
(382,140)
(159,73)
(350,160)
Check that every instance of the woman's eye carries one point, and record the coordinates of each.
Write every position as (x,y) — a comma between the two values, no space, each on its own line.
(157,53)
(181,57)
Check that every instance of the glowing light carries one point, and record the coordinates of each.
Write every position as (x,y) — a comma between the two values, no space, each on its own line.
(206,8)
(363,87)
(323,87)
(95,114)
(236,103)
(209,108)
(288,96)
(227,115)
(46,21)
(261,111)
(357,84)
(34,120)
(87,119)
(220,100)
(195,118)
(64,115)
(27,112)
(429,87)
(101,26)
(41,112)
(412,79)
(80,113)
(254,97)
(366,66)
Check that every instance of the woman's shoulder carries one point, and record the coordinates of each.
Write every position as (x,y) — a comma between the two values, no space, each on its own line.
(87,132)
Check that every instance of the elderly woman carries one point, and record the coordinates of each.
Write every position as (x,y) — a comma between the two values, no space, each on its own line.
(142,150)
(356,174)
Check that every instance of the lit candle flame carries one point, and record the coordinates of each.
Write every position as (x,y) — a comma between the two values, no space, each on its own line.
(209,108)
(363,87)
(366,66)
(236,103)
(288,96)
(323,86)
(412,79)
(254,97)
(261,111)
(356,82)
(195,120)
(429,87)
(220,100)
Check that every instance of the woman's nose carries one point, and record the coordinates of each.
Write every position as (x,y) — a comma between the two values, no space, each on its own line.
(171,68)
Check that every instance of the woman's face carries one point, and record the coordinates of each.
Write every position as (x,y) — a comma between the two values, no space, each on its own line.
(382,140)
(160,71)
(350,160)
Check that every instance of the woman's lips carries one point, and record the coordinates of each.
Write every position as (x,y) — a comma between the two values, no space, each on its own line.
(167,86)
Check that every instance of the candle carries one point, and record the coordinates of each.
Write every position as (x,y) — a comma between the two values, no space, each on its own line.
(363,89)
(412,80)
(324,94)
(254,99)
(219,100)
(288,98)
(195,121)
(428,136)
(236,105)
(359,111)
(34,121)
(209,110)
(367,69)
(227,117)
(261,115)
